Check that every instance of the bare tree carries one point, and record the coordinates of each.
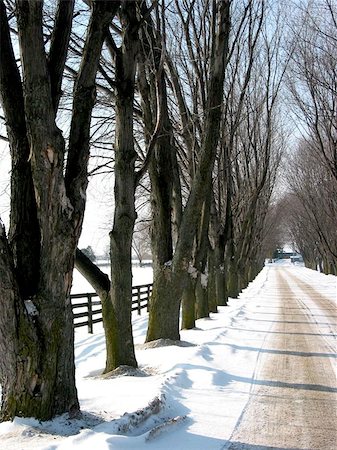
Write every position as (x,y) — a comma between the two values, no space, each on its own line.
(116,296)
(254,158)
(48,199)
(312,80)
(171,278)
(313,209)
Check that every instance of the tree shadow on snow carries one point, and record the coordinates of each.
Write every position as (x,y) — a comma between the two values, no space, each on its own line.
(223,378)
(283,352)
(242,446)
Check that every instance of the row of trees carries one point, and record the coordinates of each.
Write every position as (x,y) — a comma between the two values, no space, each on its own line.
(187,94)
(211,177)
(311,201)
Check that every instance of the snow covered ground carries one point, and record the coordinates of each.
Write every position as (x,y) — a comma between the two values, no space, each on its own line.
(183,397)
(140,275)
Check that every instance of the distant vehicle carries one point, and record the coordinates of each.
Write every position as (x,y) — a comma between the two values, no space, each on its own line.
(296,259)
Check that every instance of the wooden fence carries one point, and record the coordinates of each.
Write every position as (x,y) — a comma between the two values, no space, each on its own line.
(91,310)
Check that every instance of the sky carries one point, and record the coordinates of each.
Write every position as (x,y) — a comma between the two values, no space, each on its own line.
(188,397)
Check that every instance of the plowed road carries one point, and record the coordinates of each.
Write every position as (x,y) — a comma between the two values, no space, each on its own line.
(292,404)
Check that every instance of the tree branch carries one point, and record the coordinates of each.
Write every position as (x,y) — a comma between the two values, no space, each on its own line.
(91,272)
(84,99)
(59,47)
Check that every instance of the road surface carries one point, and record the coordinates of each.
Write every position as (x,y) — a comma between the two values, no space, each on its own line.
(292,402)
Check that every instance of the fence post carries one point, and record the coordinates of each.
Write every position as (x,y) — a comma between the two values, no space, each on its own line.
(90,324)
(148,297)
(138,301)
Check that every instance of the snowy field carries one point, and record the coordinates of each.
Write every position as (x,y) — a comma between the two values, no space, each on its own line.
(140,275)
(183,397)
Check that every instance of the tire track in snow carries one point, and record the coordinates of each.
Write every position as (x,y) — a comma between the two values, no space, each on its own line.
(322,303)
(293,397)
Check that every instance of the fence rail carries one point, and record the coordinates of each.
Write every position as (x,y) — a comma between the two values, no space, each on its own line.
(92,309)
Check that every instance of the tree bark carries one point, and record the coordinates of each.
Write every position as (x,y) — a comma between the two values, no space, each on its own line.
(24,233)
(212,264)
(19,346)
(188,305)
(125,184)
(201,306)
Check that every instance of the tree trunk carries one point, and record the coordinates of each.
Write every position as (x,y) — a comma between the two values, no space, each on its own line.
(188,305)
(24,233)
(216,261)
(54,389)
(165,305)
(233,289)
(211,285)
(101,283)
(201,305)
(164,177)
(32,384)
(125,213)
(220,274)
(161,199)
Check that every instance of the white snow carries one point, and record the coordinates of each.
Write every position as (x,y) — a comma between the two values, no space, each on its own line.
(184,397)
(204,280)
(31,308)
(140,275)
